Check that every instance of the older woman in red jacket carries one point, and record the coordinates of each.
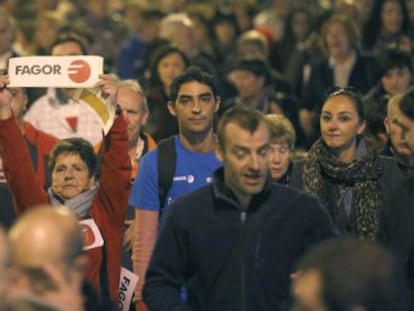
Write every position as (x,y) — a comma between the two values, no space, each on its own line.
(73,165)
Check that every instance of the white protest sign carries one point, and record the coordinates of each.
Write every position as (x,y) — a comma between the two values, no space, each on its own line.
(127,283)
(91,233)
(55,71)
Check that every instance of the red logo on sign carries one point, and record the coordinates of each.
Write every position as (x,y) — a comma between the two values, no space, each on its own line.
(88,235)
(79,71)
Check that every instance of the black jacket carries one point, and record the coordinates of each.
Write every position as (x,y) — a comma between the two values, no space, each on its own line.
(406,169)
(229,259)
(401,230)
(363,77)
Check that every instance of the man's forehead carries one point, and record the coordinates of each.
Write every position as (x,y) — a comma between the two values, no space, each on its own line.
(194,88)
(238,132)
(282,141)
(126,95)
(405,122)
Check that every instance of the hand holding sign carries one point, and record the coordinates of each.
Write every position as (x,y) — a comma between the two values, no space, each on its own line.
(81,72)
(108,87)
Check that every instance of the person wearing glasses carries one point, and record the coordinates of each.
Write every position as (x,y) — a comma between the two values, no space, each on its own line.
(344,170)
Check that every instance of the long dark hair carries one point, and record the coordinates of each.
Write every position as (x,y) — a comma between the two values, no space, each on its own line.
(160,54)
(373,26)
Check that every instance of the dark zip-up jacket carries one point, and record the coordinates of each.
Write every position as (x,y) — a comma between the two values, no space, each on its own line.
(229,259)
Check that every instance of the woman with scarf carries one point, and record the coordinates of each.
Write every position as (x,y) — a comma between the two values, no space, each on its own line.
(343,169)
(74,169)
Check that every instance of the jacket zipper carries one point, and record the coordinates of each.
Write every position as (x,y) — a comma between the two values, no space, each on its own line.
(243,216)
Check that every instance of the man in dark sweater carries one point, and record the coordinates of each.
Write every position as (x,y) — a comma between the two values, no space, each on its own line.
(400,220)
(234,243)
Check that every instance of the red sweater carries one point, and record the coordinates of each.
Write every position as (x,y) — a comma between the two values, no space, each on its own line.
(108,208)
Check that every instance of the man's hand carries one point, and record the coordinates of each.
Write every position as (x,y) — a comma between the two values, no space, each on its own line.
(108,86)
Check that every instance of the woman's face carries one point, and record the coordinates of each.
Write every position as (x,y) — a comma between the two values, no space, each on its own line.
(337,40)
(279,159)
(225,33)
(340,123)
(396,80)
(170,67)
(70,176)
(392,17)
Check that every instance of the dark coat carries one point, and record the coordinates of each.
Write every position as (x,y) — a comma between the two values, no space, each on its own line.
(363,76)
(229,259)
(388,184)
(400,226)
(404,166)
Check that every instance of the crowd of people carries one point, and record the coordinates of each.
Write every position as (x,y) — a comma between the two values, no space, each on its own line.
(261,156)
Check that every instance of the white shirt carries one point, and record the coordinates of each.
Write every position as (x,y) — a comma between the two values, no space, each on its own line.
(343,70)
(72,119)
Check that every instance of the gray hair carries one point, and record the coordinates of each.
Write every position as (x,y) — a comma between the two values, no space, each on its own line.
(135,87)
(170,23)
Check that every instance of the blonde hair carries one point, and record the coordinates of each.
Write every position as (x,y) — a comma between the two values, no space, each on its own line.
(281,129)
(349,27)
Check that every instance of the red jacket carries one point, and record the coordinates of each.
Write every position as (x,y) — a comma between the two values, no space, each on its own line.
(108,209)
(42,143)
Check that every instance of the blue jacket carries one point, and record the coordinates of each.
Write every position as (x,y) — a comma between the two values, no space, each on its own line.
(229,259)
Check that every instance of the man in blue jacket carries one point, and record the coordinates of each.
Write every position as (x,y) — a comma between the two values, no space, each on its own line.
(234,243)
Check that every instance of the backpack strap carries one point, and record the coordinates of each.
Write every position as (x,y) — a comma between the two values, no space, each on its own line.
(167,158)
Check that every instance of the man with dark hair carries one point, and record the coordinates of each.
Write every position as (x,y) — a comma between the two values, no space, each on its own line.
(406,119)
(233,243)
(194,101)
(347,275)
(398,125)
(251,78)
(400,227)
(396,76)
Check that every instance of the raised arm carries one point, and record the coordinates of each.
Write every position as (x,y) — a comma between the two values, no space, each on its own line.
(25,187)
(114,181)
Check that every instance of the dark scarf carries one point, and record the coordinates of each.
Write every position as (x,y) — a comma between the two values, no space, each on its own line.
(361,175)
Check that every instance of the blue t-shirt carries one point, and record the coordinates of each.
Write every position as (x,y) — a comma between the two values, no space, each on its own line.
(193,170)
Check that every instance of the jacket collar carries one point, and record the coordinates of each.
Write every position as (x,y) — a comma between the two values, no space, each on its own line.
(224,193)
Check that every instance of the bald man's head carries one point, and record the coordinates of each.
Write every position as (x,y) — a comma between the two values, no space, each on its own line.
(45,235)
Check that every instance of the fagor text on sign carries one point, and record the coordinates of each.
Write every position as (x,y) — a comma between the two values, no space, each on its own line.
(55,71)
